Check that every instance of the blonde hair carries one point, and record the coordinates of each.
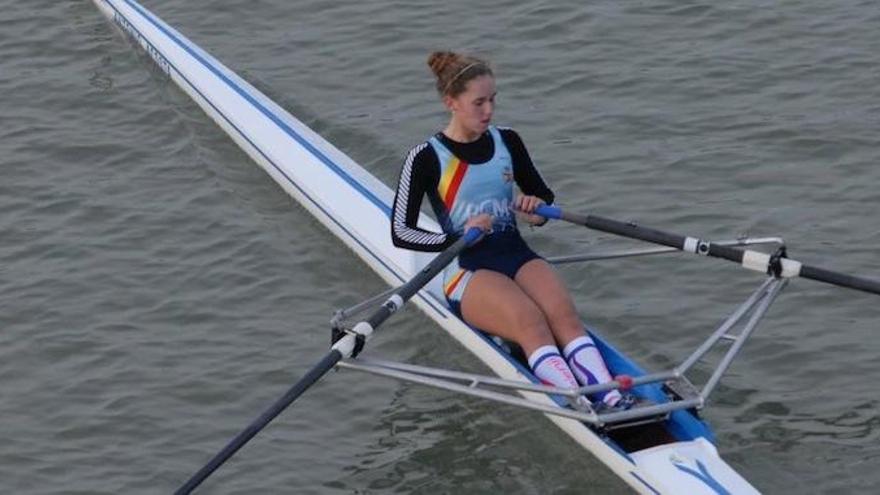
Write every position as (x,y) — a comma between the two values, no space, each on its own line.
(453,71)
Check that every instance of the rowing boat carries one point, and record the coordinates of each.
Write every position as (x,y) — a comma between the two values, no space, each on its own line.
(673,454)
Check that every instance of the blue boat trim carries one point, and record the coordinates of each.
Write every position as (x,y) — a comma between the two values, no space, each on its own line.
(647,485)
(336,168)
(259,106)
(277,121)
(703,475)
(527,372)
(681,424)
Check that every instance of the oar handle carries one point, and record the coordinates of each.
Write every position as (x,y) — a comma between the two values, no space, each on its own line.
(548,211)
(472,235)
(751,259)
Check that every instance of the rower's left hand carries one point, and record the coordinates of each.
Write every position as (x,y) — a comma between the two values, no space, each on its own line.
(525,205)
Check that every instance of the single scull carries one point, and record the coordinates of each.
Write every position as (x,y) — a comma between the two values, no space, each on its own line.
(661,448)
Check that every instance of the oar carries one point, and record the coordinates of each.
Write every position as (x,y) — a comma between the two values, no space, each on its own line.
(776,264)
(348,346)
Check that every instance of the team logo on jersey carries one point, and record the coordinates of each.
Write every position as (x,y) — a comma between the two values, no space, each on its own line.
(507,174)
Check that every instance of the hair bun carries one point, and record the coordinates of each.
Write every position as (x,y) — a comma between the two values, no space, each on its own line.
(440,60)
(453,70)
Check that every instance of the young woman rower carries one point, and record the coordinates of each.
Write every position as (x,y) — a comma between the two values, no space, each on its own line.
(501,286)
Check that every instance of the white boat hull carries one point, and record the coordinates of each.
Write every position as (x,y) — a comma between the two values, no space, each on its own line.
(317,175)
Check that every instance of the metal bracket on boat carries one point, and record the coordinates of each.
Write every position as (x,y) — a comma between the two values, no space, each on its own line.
(672,390)
(339,323)
(341,315)
(681,393)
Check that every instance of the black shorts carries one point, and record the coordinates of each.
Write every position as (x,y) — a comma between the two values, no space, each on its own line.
(504,252)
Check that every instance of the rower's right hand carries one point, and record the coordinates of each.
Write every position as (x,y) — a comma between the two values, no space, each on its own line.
(483,221)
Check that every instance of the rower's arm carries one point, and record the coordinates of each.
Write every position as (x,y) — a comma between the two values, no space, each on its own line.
(526,175)
(418,177)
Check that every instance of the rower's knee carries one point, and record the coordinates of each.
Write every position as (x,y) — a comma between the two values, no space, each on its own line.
(564,319)
(531,327)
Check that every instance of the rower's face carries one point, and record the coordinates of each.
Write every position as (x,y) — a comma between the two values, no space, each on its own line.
(475,106)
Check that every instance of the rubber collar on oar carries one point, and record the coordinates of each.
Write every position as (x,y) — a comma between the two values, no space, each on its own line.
(337,333)
(548,211)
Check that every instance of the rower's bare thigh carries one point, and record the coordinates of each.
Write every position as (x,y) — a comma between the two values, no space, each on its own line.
(546,288)
(496,304)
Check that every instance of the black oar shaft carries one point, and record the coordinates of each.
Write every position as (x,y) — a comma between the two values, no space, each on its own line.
(343,348)
(625,229)
(406,291)
(635,231)
(842,279)
(749,259)
(315,374)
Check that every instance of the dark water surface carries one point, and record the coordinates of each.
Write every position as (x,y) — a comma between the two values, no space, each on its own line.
(158,290)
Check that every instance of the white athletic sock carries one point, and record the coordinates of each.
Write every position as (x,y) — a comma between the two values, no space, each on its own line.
(548,364)
(588,366)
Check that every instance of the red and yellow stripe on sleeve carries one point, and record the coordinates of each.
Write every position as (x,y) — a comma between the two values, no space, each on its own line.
(451,181)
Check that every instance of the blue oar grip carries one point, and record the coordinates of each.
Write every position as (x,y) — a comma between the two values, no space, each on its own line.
(472,235)
(548,211)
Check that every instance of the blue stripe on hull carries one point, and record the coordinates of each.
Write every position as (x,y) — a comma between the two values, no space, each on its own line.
(259,106)
(682,424)
(290,131)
